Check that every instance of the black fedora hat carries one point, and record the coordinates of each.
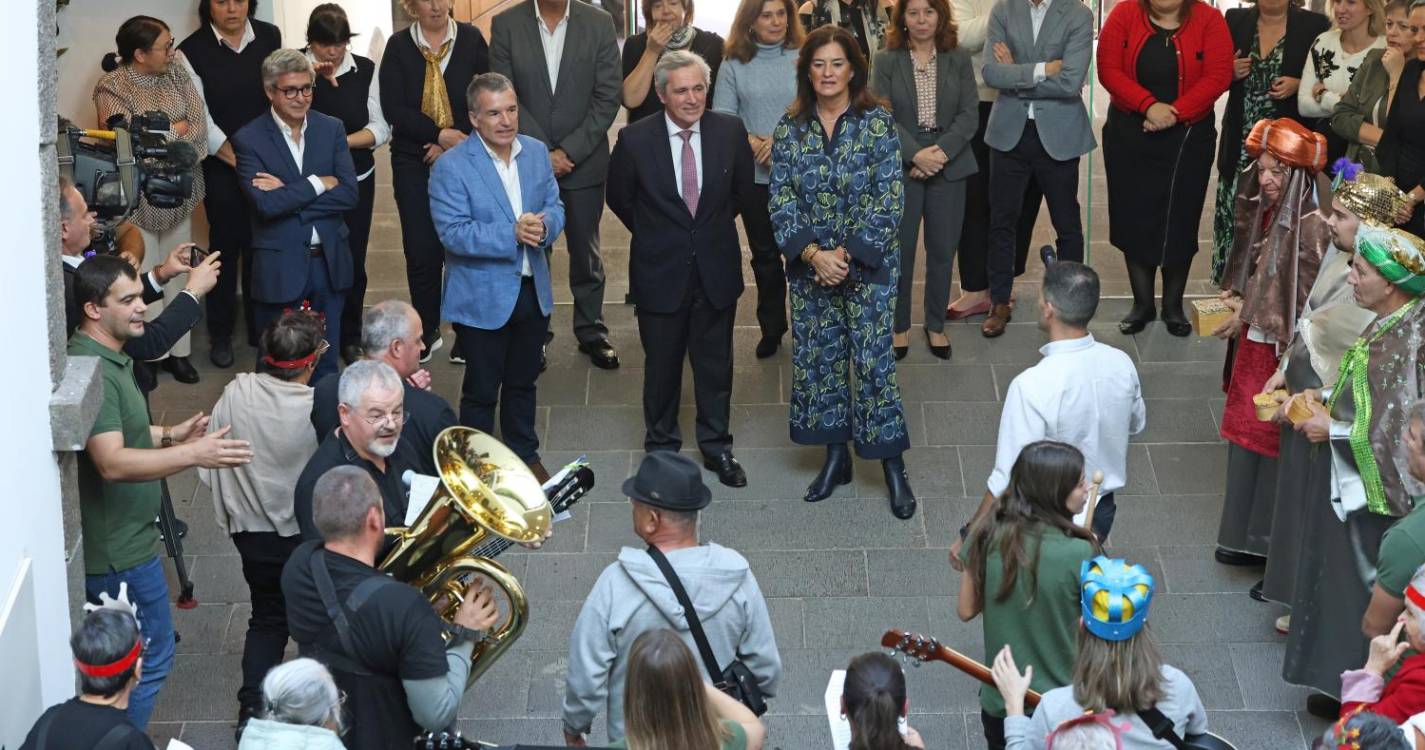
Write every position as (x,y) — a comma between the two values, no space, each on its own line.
(670,481)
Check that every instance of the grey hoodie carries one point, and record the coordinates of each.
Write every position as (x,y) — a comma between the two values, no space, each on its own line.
(631,597)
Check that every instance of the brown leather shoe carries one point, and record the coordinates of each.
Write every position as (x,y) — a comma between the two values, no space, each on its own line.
(995,323)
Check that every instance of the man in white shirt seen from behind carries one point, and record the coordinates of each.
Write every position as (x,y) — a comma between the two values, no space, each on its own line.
(1083,392)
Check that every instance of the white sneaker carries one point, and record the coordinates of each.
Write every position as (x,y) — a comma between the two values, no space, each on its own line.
(432,348)
(1284,624)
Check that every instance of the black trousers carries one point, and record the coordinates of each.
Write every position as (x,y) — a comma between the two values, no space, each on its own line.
(503,366)
(704,335)
(975,230)
(768,268)
(263,555)
(1103,515)
(229,232)
(1010,173)
(358,223)
(994,731)
(425,256)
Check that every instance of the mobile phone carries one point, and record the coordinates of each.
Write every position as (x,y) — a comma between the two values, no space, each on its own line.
(196,255)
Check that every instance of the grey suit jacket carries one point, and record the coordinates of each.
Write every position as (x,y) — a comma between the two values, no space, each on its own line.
(1066,34)
(575,114)
(957,108)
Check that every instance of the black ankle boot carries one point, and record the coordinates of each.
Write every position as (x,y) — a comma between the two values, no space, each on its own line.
(836,471)
(898,484)
(1141,278)
(1174,282)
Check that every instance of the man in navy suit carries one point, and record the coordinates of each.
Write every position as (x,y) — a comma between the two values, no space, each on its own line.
(296,170)
(496,207)
(678,181)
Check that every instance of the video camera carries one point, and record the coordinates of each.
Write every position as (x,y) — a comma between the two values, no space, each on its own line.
(135,158)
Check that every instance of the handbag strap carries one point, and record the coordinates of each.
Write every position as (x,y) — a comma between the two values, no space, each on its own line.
(1161,727)
(694,624)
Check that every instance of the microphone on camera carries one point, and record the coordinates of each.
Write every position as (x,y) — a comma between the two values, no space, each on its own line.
(182,155)
(1048,255)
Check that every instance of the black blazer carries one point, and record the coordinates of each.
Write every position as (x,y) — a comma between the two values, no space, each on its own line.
(667,240)
(1302,28)
(403,75)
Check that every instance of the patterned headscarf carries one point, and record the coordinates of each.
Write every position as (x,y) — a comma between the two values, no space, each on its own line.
(1396,253)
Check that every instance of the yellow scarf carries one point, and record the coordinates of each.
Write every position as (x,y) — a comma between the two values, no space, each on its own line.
(435,102)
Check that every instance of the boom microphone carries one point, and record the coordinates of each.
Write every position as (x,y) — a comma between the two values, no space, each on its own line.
(182,155)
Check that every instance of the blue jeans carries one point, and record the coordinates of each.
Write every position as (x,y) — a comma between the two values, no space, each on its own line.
(148,590)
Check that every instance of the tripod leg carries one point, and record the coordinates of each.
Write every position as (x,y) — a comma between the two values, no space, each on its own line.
(173,545)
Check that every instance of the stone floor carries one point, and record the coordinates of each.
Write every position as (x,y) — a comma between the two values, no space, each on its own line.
(836,574)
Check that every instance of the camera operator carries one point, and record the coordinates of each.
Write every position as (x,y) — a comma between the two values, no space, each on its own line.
(107,651)
(120,469)
(76,224)
(387,652)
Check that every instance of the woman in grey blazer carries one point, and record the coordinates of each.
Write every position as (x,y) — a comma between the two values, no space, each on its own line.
(931,85)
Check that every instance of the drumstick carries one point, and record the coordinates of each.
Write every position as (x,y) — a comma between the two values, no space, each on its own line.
(1093,499)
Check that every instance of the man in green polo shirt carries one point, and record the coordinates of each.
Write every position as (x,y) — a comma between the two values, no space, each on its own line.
(1402,549)
(120,469)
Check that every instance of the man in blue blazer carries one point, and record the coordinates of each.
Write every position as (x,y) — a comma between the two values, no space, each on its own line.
(496,208)
(296,170)
(1037,54)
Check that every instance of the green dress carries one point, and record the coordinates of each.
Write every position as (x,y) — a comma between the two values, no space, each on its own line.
(1256,105)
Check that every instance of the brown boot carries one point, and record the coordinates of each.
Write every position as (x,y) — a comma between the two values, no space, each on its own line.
(995,323)
(540,473)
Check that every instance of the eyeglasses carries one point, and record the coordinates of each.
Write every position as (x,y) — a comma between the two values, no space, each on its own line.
(292,92)
(165,48)
(396,418)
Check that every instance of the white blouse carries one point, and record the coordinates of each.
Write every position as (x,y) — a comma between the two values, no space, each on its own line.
(1331,65)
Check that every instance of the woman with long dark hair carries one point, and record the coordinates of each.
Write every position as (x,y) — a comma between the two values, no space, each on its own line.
(1118,668)
(142,77)
(668,705)
(347,89)
(836,199)
(874,702)
(1022,571)
(1165,63)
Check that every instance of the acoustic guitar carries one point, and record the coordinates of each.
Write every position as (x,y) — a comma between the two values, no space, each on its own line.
(923,649)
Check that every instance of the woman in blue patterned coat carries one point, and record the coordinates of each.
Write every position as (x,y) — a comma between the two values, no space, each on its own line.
(836,204)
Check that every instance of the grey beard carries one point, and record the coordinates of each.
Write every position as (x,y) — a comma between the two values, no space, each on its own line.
(378,448)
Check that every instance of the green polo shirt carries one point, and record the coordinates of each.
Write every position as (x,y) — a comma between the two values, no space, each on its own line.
(1402,552)
(117,517)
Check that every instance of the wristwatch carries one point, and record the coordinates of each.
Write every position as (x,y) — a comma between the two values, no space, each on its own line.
(167,441)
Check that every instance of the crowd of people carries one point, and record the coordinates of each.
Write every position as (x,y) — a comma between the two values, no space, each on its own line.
(846,135)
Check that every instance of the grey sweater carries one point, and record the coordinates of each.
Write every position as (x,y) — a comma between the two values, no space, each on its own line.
(631,597)
(758,91)
(1181,704)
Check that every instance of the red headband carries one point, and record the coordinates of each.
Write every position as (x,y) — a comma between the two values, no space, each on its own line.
(290,364)
(115,668)
(1415,597)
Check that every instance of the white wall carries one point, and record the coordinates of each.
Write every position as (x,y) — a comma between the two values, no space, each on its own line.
(86,28)
(31,533)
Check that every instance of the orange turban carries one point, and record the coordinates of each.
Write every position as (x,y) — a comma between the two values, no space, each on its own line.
(1290,142)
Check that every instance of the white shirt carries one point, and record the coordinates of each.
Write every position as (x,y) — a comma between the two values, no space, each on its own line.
(675,142)
(1082,393)
(509,173)
(375,120)
(422,44)
(553,41)
(298,148)
(1037,12)
(216,136)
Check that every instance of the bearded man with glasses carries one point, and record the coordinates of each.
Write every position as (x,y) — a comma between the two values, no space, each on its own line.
(296,169)
(371,413)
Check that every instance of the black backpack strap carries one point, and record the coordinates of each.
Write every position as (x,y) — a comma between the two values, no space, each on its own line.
(321,575)
(1161,727)
(694,624)
(116,737)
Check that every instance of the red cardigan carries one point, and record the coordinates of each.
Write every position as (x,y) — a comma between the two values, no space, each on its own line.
(1403,697)
(1204,59)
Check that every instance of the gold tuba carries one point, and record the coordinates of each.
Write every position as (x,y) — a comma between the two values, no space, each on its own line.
(487,500)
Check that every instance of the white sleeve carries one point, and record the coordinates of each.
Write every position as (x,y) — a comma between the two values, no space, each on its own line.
(1019,425)
(317,184)
(972,20)
(376,121)
(1304,100)
(216,136)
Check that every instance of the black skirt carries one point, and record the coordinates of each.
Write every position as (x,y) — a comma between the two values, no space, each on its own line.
(1157,185)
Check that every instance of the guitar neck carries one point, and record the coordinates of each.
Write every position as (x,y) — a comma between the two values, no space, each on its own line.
(976,670)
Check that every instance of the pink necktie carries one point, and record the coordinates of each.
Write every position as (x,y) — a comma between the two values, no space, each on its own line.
(690,173)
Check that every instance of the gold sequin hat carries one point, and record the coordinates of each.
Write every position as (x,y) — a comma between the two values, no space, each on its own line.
(1372,198)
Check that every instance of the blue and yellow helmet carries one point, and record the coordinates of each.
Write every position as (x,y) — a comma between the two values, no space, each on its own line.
(1115,597)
